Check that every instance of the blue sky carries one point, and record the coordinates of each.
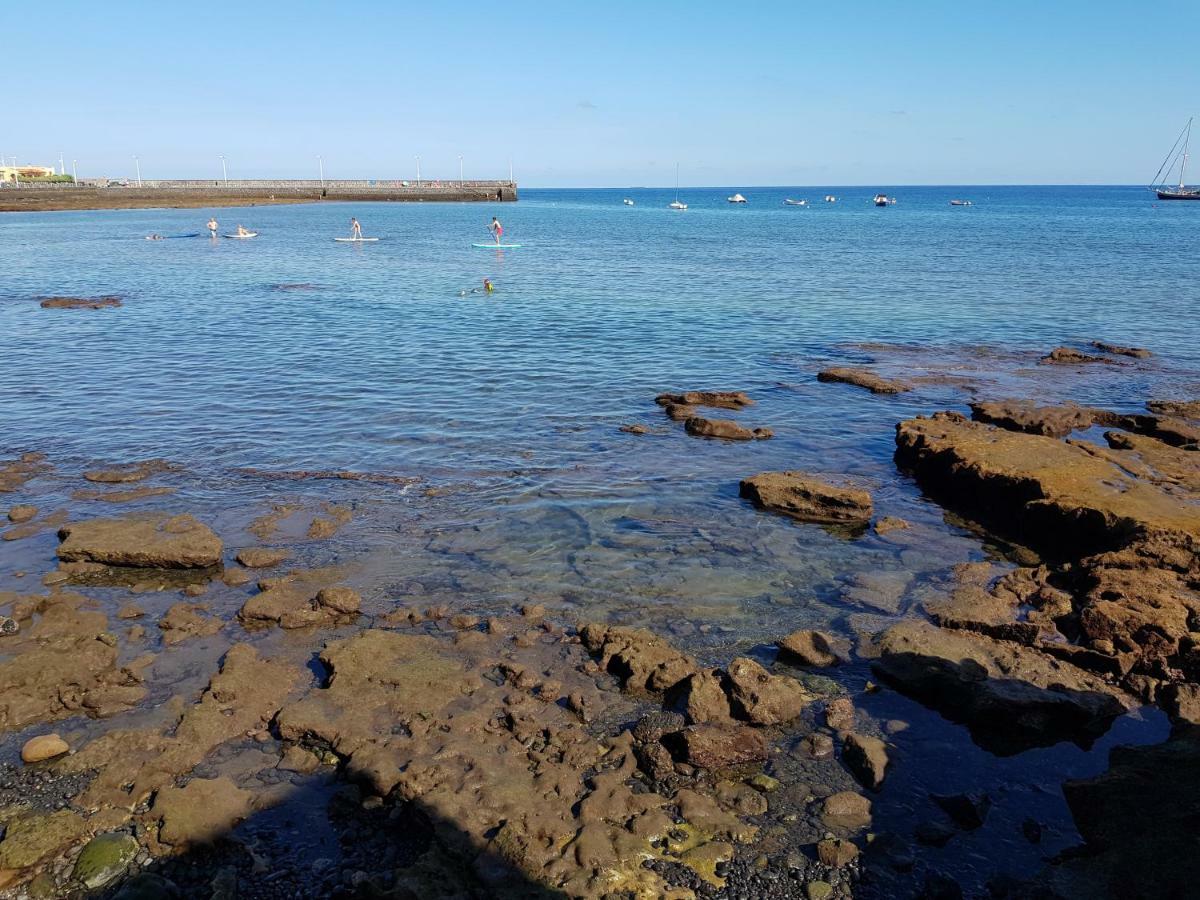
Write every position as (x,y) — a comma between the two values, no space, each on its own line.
(609,94)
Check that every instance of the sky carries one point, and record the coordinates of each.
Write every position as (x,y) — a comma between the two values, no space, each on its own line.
(609,94)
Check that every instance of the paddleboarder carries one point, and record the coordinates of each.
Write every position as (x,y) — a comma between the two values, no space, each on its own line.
(355,229)
(212,226)
(496,229)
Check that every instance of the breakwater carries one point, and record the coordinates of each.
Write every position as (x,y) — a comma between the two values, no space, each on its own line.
(195,193)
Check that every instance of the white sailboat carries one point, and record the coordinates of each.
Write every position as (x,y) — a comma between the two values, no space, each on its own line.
(675,204)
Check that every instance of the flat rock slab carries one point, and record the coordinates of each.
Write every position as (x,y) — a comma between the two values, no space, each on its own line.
(863,378)
(148,541)
(80,302)
(1023,415)
(716,399)
(726,429)
(807,498)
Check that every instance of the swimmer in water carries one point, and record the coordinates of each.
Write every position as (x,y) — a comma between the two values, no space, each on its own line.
(212,227)
(496,229)
(355,229)
(154,237)
(487,286)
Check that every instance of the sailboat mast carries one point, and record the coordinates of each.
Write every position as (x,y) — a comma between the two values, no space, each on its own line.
(676,182)
(1183,164)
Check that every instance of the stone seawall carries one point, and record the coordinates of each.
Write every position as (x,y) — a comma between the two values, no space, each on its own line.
(199,194)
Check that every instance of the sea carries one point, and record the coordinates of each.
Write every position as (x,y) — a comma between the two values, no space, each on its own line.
(488,424)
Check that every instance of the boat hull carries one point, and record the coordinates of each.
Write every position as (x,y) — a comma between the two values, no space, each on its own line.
(1178,195)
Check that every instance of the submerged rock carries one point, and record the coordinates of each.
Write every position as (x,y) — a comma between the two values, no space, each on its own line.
(864,378)
(22,513)
(1068,356)
(127,473)
(716,399)
(80,302)
(262,557)
(143,541)
(1118,350)
(727,429)
(807,498)
(809,648)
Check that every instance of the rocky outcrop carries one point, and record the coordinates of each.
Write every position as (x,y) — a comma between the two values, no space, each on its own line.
(1118,350)
(1011,697)
(863,378)
(807,498)
(1026,416)
(726,429)
(1179,409)
(144,541)
(808,648)
(640,659)
(715,399)
(1069,356)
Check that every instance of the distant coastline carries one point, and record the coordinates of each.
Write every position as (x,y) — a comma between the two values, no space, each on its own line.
(193,194)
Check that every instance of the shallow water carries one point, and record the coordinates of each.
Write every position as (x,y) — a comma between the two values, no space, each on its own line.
(506,406)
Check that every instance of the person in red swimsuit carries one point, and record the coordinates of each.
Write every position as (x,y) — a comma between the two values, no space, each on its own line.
(496,229)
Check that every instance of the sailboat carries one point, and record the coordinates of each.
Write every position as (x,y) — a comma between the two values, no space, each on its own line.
(1177,156)
(675,204)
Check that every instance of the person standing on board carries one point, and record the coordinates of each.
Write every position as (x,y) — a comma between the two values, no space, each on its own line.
(212,226)
(496,229)
(355,229)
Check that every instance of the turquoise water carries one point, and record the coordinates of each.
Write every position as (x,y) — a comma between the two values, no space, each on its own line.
(507,406)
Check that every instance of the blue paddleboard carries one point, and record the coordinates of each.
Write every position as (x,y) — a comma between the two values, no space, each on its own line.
(501,246)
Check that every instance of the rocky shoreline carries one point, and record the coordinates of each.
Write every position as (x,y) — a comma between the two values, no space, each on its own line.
(182,687)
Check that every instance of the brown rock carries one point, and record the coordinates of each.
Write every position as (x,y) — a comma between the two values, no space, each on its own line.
(322,528)
(1118,350)
(726,429)
(703,699)
(634,429)
(809,648)
(201,811)
(867,758)
(186,620)
(716,399)
(43,747)
(22,513)
(890,523)
(126,473)
(807,498)
(1179,409)
(262,557)
(640,659)
(863,378)
(836,853)
(144,541)
(839,714)
(715,747)
(340,599)
(1067,356)
(763,698)
(846,809)
(80,302)
(1027,417)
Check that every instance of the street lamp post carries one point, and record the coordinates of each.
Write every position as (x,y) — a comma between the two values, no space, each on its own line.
(74,174)
(321,169)
(62,166)
(138,168)
(418,159)
(224,171)
(460,173)
(510,179)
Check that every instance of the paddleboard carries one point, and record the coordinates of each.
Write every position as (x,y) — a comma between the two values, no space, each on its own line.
(172,237)
(248,235)
(501,246)
(355,240)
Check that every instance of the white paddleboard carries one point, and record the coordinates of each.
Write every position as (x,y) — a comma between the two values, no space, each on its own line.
(494,245)
(247,235)
(355,240)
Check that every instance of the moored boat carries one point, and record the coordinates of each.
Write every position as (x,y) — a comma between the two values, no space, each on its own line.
(791,202)
(829,198)
(1178,156)
(884,200)
(627,202)
(961,203)
(736,198)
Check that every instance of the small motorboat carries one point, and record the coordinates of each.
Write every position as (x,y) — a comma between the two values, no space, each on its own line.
(883,200)
(961,203)
(790,202)
(627,202)
(829,198)
(736,198)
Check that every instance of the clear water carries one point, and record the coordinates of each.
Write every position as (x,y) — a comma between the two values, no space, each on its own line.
(508,405)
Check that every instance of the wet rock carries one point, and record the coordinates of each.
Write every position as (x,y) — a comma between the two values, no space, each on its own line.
(145,541)
(763,698)
(807,498)
(31,837)
(22,513)
(262,557)
(187,620)
(1028,417)
(14,473)
(1069,356)
(968,811)
(726,429)
(236,577)
(971,606)
(104,859)
(300,601)
(878,590)
(126,496)
(891,523)
(322,528)
(1174,432)
(1182,702)
(863,378)
(703,699)
(634,429)
(679,413)
(80,302)
(343,600)
(835,852)
(818,745)
(652,727)
(839,714)
(1180,409)
(43,747)
(846,809)
(1118,350)
(201,811)
(717,747)
(935,834)
(716,399)
(1011,697)
(127,473)
(641,660)
(809,648)
(867,758)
